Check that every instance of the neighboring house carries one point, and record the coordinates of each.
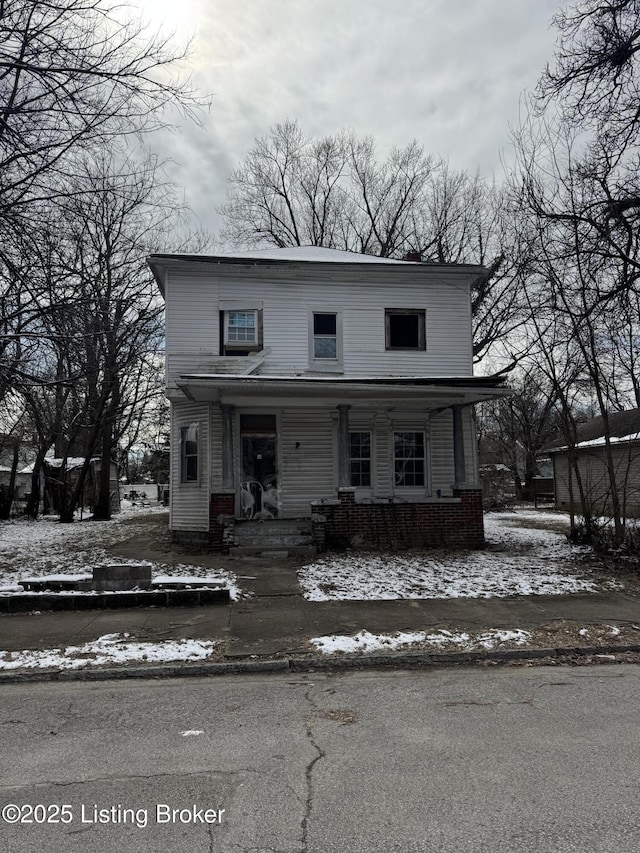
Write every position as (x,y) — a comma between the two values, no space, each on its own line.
(56,480)
(15,456)
(322,385)
(589,451)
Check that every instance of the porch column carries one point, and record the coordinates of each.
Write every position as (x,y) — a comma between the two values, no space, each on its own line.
(460,473)
(227,447)
(344,454)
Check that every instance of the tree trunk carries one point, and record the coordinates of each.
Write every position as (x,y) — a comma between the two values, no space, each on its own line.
(33,504)
(7,493)
(102,508)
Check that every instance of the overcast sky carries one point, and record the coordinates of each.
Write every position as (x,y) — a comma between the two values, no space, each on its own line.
(449,73)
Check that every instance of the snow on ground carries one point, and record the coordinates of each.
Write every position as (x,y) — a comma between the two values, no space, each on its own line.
(459,641)
(108,649)
(31,549)
(519,560)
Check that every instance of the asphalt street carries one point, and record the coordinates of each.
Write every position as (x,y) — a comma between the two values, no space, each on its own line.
(496,760)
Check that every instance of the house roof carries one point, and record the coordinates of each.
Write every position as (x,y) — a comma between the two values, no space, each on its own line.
(434,392)
(298,254)
(313,254)
(308,254)
(623,427)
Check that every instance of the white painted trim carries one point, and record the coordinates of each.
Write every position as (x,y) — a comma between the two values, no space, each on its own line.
(326,365)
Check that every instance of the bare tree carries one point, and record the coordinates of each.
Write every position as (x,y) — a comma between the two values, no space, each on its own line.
(595,79)
(75,74)
(291,190)
(78,78)
(117,212)
(97,318)
(581,273)
(520,427)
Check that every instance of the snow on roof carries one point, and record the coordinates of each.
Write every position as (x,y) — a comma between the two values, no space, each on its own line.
(312,253)
(71,462)
(623,427)
(600,442)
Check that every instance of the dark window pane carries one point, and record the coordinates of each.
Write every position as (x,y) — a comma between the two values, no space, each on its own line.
(324,324)
(258,423)
(189,453)
(361,473)
(191,468)
(360,452)
(409,463)
(404,330)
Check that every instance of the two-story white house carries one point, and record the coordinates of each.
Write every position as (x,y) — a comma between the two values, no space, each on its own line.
(324,386)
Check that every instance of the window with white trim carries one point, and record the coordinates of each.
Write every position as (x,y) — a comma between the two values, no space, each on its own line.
(360,458)
(241,327)
(409,458)
(189,454)
(325,336)
(240,331)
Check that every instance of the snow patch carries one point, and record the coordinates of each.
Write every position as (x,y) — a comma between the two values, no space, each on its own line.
(518,561)
(46,548)
(108,649)
(366,642)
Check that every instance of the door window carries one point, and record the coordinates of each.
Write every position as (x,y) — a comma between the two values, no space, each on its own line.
(259,485)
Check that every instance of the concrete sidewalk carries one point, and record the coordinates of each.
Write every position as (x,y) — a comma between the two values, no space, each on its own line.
(277,622)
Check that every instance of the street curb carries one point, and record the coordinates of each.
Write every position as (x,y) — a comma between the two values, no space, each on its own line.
(197,670)
(311,664)
(418,659)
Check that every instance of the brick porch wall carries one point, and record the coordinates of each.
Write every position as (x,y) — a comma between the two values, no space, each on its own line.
(222,507)
(346,524)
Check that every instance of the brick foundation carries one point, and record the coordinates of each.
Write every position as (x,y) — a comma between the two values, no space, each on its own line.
(222,507)
(343,523)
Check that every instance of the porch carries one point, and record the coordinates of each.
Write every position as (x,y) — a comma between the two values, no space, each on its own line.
(381,463)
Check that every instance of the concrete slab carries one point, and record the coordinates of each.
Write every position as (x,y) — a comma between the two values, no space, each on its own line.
(61,629)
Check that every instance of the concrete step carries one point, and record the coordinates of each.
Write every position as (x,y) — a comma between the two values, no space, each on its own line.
(280,541)
(274,552)
(277,536)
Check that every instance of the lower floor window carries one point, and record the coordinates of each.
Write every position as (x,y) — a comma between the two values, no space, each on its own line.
(360,458)
(408,458)
(189,453)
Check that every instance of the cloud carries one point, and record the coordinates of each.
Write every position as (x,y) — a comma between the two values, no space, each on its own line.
(448,73)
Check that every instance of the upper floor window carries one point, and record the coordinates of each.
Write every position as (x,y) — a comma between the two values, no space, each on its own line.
(404,329)
(325,336)
(241,327)
(409,458)
(240,331)
(189,454)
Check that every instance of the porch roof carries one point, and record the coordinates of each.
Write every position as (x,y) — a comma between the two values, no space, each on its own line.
(425,391)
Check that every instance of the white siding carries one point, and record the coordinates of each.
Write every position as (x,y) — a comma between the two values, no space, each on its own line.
(595,480)
(216,447)
(189,502)
(192,323)
(442,469)
(307,471)
(193,300)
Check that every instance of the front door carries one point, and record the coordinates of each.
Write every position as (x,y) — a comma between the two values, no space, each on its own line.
(259,484)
